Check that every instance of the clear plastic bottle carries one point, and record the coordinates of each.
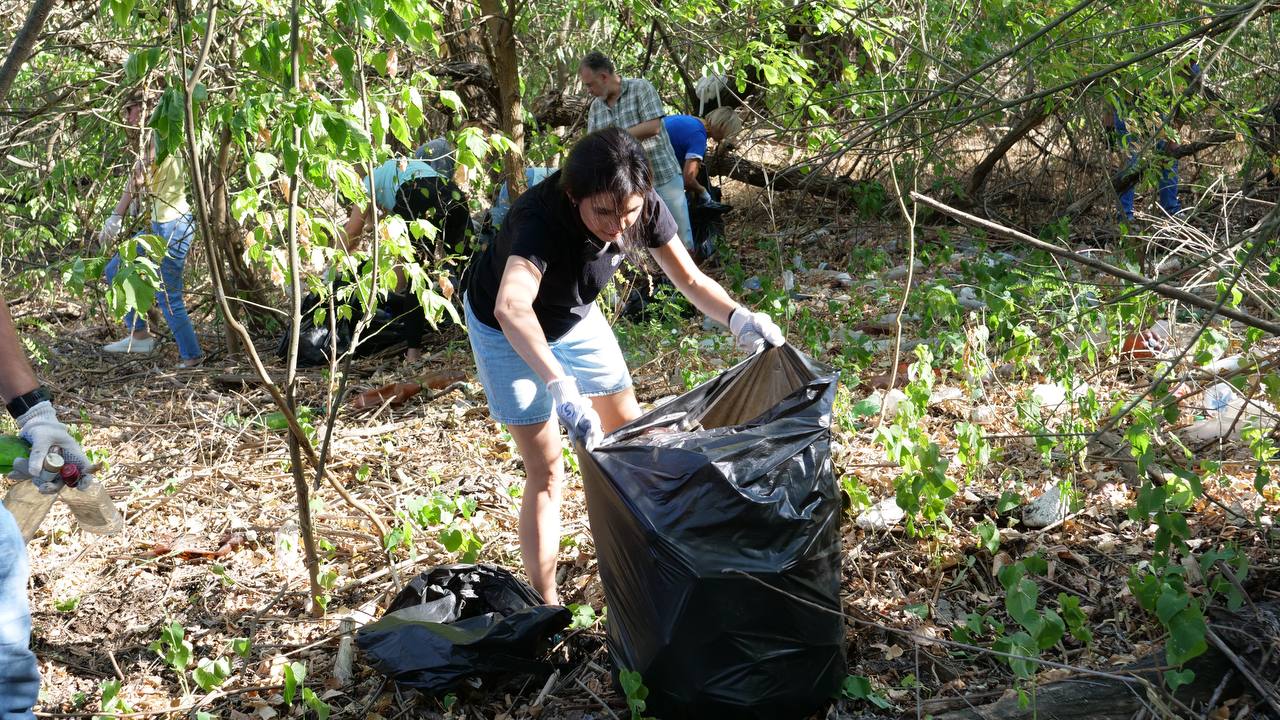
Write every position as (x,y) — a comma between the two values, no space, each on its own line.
(90,503)
(30,499)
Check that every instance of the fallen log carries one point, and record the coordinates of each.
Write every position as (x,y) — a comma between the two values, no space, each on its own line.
(556,108)
(794,177)
(1222,672)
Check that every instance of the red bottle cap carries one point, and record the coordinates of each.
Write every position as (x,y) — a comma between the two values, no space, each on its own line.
(70,474)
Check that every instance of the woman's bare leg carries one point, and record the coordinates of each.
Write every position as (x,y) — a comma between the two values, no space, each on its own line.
(539,447)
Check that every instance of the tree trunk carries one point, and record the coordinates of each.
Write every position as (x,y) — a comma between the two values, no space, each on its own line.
(1031,120)
(831,187)
(502,46)
(23,44)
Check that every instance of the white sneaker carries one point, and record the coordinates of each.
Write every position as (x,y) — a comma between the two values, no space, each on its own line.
(129,344)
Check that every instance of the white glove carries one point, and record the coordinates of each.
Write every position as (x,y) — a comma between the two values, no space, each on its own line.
(111,229)
(577,416)
(40,427)
(754,330)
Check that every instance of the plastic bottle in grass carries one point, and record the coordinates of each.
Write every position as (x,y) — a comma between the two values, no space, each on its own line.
(31,497)
(90,503)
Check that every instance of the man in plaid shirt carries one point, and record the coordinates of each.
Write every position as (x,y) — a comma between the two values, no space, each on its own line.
(633,105)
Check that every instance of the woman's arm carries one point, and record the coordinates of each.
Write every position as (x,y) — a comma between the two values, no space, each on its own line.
(136,177)
(353,228)
(705,293)
(513,309)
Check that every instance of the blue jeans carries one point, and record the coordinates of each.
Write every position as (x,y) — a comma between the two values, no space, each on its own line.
(672,193)
(178,235)
(1167,187)
(19,675)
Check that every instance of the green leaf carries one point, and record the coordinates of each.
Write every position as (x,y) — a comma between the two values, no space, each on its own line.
(1035,564)
(400,129)
(1022,645)
(636,692)
(1170,603)
(262,167)
(584,616)
(241,647)
(121,10)
(1051,630)
(337,129)
(1077,621)
(345,57)
(318,706)
(1186,636)
(396,26)
(138,293)
(988,536)
(294,674)
(1009,500)
(920,610)
(211,674)
(1177,678)
(451,539)
(413,106)
(1020,601)
(451,100)
(858,687)
(405,9)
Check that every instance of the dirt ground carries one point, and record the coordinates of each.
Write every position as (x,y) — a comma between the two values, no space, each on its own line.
(211,539)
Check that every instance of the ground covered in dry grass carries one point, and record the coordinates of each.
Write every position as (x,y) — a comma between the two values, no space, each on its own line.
(211,542)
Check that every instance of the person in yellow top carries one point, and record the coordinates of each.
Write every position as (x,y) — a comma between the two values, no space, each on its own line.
(162,185)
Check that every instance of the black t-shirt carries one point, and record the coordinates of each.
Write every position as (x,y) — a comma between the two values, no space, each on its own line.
(545,228)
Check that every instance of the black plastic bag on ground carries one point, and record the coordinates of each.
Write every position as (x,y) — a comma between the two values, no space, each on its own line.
(387,329)
(707,223)
(460,621)
(695,504)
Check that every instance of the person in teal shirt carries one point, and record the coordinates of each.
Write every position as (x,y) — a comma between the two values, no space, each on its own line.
(413,190)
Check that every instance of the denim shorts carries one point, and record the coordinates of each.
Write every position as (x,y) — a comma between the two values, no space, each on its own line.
(517,396)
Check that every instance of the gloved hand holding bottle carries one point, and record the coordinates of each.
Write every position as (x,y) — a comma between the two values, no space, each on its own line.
(40,427)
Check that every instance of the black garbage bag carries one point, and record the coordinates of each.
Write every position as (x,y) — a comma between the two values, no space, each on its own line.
(695,504)
(388,328)
(454,622)
(707,223)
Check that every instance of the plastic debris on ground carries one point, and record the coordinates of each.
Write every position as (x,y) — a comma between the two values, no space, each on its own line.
(881,516)
(1053,505)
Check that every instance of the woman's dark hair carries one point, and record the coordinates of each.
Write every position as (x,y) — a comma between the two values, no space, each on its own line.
(609,161)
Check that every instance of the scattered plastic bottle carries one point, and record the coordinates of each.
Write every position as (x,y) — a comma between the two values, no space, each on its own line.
(1218,397)
(29,502)
(90,503)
